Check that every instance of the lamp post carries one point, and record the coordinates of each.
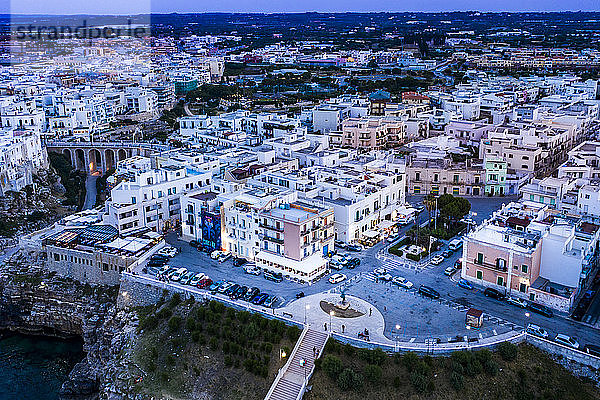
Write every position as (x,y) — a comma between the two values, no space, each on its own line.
(331,314)
(525,322)
(306,308)
(468,329)
(397,333)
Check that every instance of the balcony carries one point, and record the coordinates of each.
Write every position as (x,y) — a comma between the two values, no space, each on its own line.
(272,239)
(269,227)
(487,265)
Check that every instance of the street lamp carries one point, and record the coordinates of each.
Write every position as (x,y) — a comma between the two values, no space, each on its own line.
(525,321)
(306,308)
(282,354)
(331,314)
(397,333)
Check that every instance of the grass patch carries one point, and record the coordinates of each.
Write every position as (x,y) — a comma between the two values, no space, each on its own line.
(522,372)
(229,354)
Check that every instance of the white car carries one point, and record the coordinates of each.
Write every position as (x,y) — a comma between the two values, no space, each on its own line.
(176,276)
(337,278)
(537,331)
(168,251)
(216,254)
(252,269)
(402,282)
(224,257)
(197,278)
(515,301)
(449,271)
(379,271)
(566,340)
(437,260)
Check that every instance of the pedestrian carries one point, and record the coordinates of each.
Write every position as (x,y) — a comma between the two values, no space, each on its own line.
(384,308)
(315,352)
(370,311)
(325,326)
(343,328)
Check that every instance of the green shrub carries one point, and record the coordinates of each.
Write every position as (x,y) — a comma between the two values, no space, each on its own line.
(376,356)
(373,373)
(349,380)
(293,333)
(174,323)
(421,383)
(228,361)
(473,368)
(164,313)
(490,367)
(190,324)
(175,300)
(349,350)
(243,316)
(410,359)
(213,343)
(397,382)
(332,365)
(456,380)
(149,323)
(507,351)
(196,336)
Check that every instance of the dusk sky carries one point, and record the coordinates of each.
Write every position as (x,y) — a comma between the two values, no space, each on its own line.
(269,6)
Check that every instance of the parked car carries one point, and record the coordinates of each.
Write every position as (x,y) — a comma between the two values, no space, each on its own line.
(566,340)
(224,257)
(232,289)
(463,283)
(428,292)
(540,309)
(156,263)
(215,285)
(354,247)
(260,299)
(353,262)
(455,244)
(205,283)
(385,277)
(515,301)
(195,243)
(251,293)
(446,253)
(238,261)
(270,302)
(240,292)
(168,251)
(337,278)
(272,276)
(340,245)
(299,295)
(216,254)
(197,278)
(187,277)
(437,260)
(450,270)
(223,288)
(458,263)
(592,349)
(494,294)
(382,274)
(252,269)
(402,282)
(178,274)
(537,331)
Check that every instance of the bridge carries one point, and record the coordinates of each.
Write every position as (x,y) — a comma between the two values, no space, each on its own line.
(102,156)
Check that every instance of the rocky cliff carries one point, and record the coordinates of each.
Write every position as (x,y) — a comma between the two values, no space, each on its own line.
(33,301)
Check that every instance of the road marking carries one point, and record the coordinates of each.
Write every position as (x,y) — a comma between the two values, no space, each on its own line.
(412,340)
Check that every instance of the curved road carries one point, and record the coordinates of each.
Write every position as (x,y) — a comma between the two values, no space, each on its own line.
(90,192)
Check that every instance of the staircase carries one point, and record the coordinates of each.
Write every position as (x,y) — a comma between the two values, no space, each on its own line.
(291,381)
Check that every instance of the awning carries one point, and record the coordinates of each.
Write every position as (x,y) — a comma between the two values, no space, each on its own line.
(372,234)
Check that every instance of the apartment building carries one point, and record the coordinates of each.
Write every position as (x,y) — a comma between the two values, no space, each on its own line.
(278,232)
(528,250)
(443,176)
(369,133)
(21,155)
(148,192)
(468,133)
(201,218)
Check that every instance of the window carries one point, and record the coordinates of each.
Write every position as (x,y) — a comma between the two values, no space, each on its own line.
(417,189)
(531,197)
(500,281)
(435,190)
(455,191)
(479,259)
(522,288)
(476,180)
(524,268)
(133,200)
(501,263)
(417,176)
(455,178)
(436,177)
(479,274)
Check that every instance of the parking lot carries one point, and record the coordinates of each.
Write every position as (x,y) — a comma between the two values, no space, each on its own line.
(418,317)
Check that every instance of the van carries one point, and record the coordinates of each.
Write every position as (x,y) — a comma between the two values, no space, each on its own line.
(455,244)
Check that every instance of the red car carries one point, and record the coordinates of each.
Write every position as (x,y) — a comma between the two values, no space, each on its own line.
(204,283)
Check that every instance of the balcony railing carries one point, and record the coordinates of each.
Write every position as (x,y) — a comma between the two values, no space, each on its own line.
(272,239)
(270,227)
(490,265)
